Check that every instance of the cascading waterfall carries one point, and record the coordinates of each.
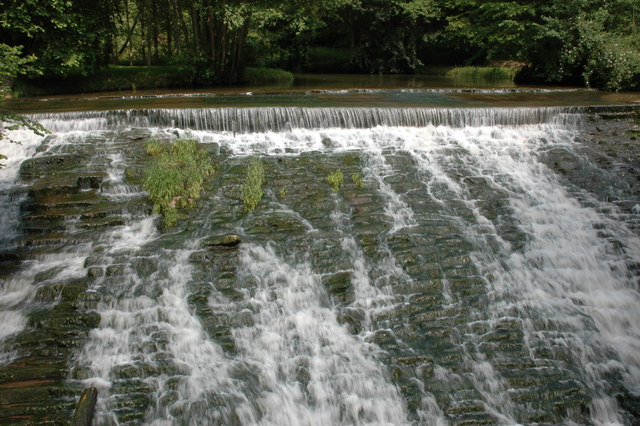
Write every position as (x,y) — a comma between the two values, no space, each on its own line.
(246,120)
(466,281)
(18,287)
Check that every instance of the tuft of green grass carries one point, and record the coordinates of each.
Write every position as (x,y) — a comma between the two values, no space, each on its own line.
(357,179)
(481,74)
(335,179)
(252,187)
(175,179)
(154,148)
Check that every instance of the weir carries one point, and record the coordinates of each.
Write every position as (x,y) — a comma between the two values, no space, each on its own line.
(484,270)
(248,120)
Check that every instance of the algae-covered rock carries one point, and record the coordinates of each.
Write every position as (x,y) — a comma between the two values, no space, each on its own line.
(230,240)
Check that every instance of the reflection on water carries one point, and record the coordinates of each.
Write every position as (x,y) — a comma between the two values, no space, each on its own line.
(326,90)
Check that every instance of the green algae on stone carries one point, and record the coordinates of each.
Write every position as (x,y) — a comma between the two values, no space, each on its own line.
(335,179)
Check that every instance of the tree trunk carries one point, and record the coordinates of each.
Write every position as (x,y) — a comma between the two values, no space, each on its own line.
(129,35)
(211,24)
(195,21)
(155,33)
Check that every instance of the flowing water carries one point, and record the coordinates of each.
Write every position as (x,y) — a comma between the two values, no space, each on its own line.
(486,271)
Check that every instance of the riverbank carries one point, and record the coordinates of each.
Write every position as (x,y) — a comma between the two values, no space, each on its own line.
(117,78)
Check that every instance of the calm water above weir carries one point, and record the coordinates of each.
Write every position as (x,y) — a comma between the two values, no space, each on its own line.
(325,90)
(486,271)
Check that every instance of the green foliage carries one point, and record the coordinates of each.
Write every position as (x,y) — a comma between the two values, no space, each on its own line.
(335,60)
(390,33)
(252,187)
(13,64)
(64,35)
(586,42)
(16,121)
(176,177)
(488,30)
(357,180)
(335,179)
(206,43)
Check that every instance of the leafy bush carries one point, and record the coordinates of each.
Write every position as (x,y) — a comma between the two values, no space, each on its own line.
(585,43)
(176,177)
(252,188)
(259,76)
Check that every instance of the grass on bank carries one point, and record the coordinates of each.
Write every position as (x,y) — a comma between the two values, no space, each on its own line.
(175,178)
(481,74)
(252,187)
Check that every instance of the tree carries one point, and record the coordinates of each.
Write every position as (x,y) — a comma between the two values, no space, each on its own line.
(481,31)
(392,31)
(588,42)
(65,36)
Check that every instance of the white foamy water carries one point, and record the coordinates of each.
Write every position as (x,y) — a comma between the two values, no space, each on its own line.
(569,284)
(17,289)
(297,335)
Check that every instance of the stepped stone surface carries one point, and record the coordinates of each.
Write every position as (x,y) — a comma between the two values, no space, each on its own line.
(431,331)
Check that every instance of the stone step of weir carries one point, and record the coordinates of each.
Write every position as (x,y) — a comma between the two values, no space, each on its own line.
(474,419)
(616,115)
(106,222)
(37,167)
(64,184)
(78,200)
(33,391)
(52,218)
(46,240)
(216,265)
(56,413)
(34,387)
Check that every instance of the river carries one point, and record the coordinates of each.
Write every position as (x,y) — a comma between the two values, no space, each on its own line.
(480,263)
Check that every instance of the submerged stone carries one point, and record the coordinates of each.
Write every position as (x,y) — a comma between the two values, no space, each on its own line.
(83,414)
(339,286)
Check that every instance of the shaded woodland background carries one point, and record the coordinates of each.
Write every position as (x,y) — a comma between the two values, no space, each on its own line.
(211,42)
